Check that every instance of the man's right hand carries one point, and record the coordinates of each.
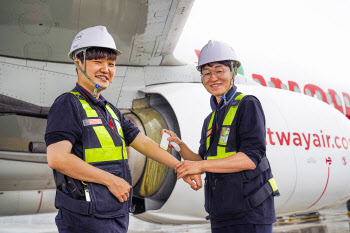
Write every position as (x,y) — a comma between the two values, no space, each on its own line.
(119,188)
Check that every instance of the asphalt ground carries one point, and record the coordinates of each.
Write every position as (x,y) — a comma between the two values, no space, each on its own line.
(334,220)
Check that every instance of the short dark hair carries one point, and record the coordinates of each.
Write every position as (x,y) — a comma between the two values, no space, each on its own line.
(225,63)
(97,53)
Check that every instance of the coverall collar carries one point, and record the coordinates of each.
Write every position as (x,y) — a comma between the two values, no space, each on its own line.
(215,105)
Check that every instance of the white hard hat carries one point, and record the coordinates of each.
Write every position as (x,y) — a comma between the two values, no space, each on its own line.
(216,51)
(97,36)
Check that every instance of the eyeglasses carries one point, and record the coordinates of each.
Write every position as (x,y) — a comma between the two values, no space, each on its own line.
(218,73)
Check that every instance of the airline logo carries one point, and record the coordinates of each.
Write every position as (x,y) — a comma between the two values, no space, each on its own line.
(306,140)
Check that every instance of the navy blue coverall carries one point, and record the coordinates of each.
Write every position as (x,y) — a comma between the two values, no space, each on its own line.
(247,135)
(63,123)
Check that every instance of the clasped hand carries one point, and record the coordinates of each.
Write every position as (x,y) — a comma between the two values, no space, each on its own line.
(194,180)
(186,168)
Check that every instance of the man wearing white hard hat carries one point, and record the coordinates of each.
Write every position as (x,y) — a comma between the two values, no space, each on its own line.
(86,138)
(239,186)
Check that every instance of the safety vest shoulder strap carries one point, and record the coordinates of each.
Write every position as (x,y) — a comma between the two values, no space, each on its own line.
(232,112)
(117,121)
(118,125)
(90,112)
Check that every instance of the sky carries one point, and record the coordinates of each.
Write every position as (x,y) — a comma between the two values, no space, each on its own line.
(307,41)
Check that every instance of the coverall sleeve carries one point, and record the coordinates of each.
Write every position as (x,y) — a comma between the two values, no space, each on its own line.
(63,121)
(251,129)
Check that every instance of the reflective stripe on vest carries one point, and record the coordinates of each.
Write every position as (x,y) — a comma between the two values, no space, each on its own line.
(273,184)
(221,147)
(108,150)
(210,130)
(119,128)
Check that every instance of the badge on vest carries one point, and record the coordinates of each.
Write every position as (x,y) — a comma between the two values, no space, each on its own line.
(225,131)
(97,121)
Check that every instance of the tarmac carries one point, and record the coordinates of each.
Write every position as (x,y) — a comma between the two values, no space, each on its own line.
(334,220)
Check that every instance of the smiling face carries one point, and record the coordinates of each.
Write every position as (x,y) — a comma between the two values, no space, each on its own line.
(101,71)
(215,85)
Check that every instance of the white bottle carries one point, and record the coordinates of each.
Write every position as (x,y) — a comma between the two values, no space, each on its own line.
(164,143)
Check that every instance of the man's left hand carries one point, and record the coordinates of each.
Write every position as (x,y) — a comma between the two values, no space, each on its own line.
(189,168)
(194,180)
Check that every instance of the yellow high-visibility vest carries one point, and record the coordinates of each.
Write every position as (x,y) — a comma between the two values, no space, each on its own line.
(221,147)
(108,150)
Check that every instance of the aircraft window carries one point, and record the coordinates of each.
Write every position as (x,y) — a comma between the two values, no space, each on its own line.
(347,101)
(308,92)
(271,84)
(297,89)
(318,95)
(329,99)
(257,80)
(337,99)
(284,86)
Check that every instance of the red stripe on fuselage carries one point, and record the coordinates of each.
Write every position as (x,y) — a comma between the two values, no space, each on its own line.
(323,190)
(41,200)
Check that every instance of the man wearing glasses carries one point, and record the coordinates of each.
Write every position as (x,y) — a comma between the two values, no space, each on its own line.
(239,186)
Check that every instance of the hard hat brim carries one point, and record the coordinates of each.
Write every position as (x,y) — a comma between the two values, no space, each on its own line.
(238,64)
(70,54)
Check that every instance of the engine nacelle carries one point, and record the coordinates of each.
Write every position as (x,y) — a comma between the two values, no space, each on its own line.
(307,150)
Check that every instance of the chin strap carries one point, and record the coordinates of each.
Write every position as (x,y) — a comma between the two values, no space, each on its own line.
(233,68)
(87,76)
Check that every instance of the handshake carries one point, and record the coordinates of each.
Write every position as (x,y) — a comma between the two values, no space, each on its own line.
(188,170)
